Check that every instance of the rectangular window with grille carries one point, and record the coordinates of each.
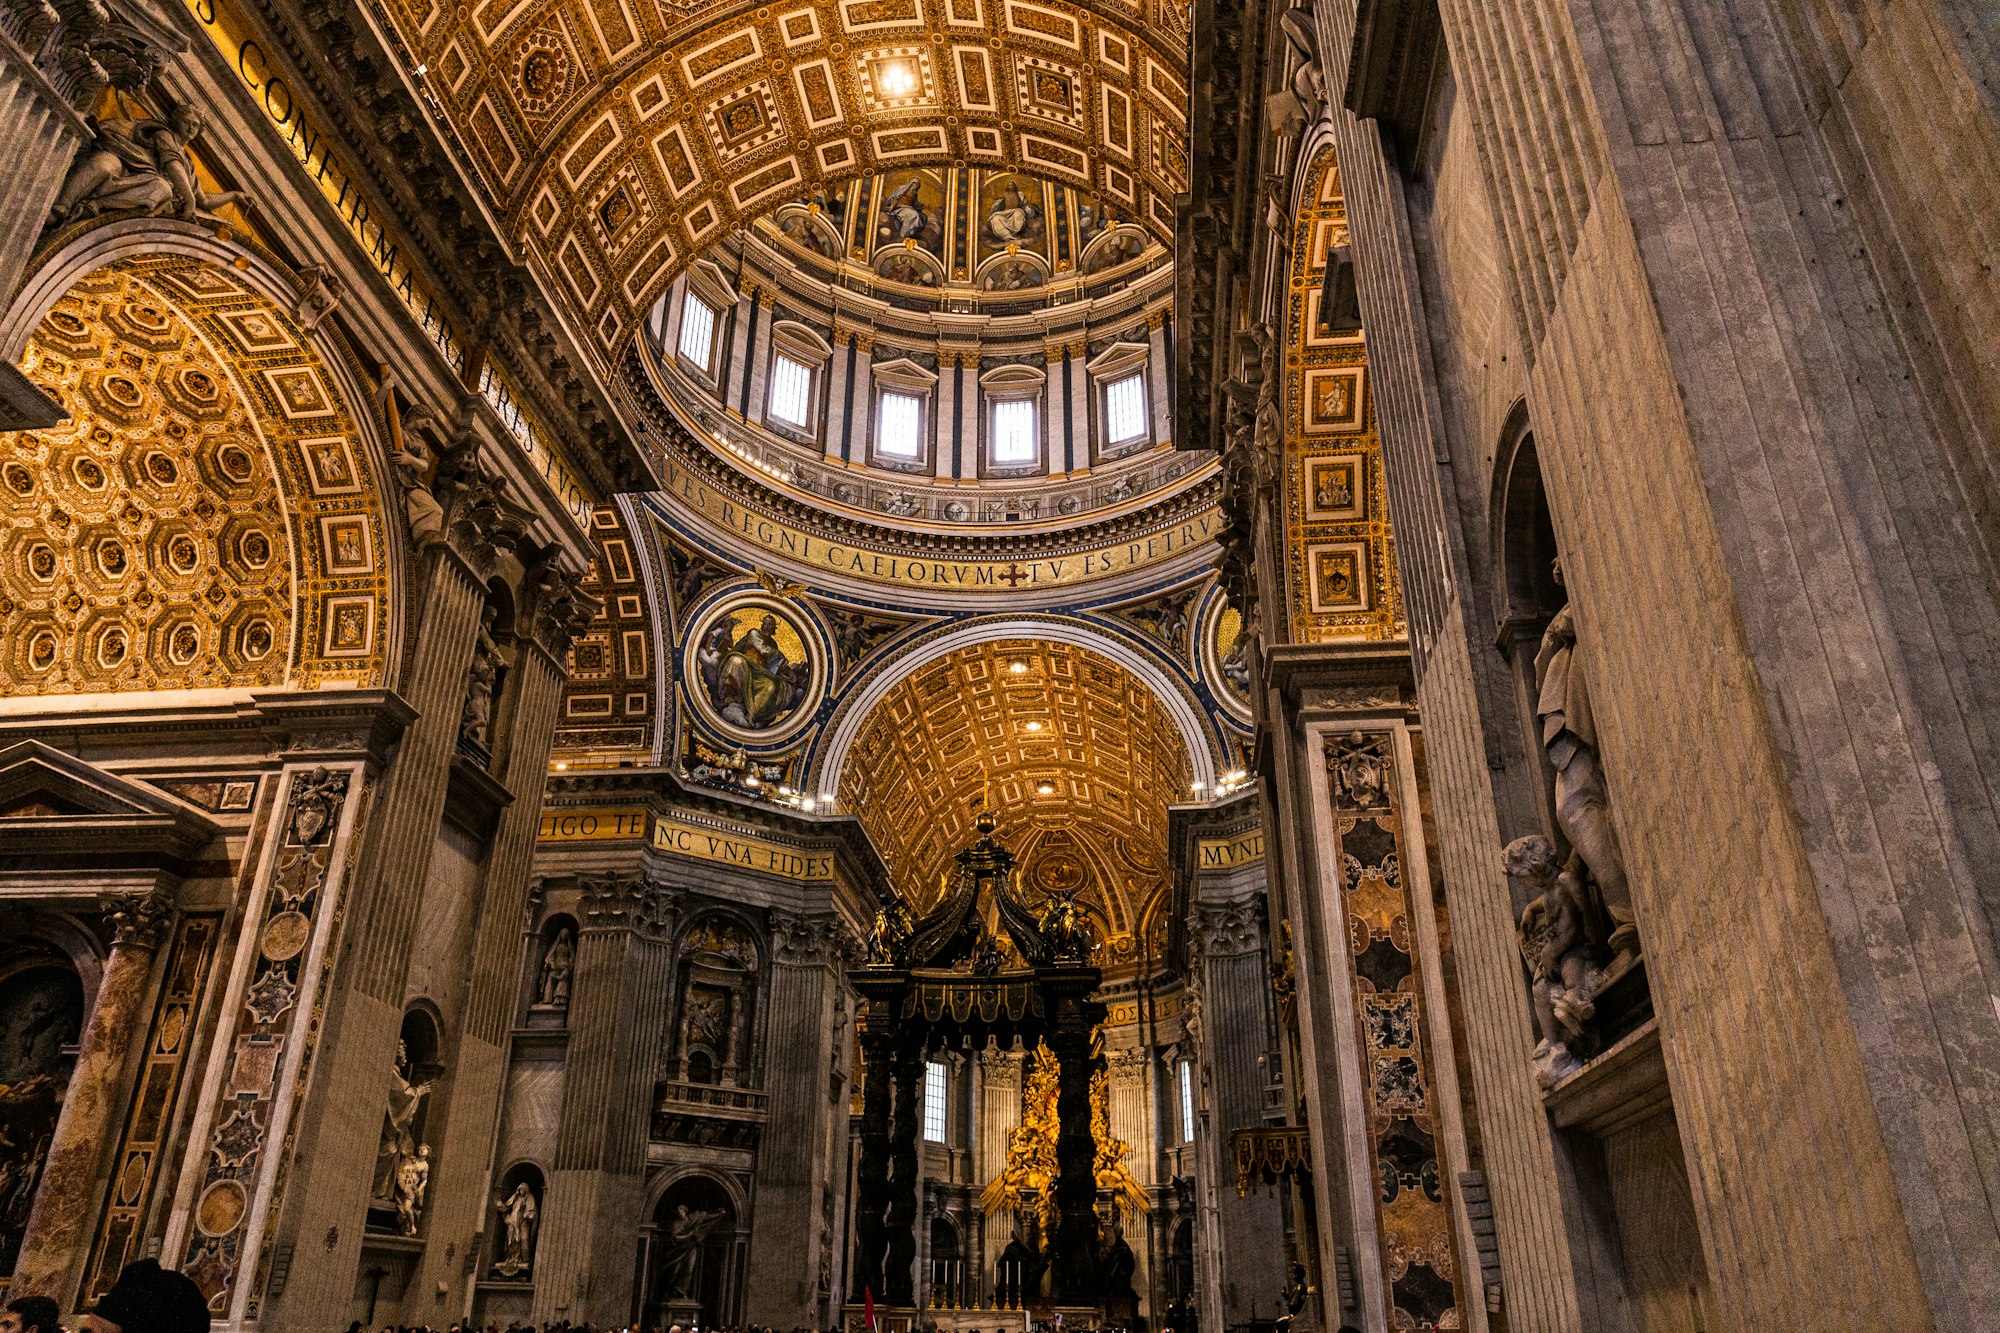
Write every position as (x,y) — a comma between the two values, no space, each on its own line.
(791,391)
(1187,1101)
(935,1097)
(899,435)
(1015,440)
(697,331)
(1125,409)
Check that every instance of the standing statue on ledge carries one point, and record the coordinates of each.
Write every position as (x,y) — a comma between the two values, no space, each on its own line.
(557,964)
(518,1215)
(399,1142)
(1559,946)
(413,1176)
(477,718)
(1583,806)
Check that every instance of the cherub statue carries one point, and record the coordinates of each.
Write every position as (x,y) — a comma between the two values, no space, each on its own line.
(1559,946)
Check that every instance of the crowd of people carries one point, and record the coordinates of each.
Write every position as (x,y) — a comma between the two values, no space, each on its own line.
(560,1326)
(146,1299)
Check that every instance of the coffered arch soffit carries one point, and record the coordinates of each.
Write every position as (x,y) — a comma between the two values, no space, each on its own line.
(619,139)
(209,513)
(1078,756)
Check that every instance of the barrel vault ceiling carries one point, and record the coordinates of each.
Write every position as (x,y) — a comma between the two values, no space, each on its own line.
(616,139)
(1075,755)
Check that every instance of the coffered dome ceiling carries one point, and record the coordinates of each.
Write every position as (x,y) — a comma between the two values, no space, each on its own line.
(1077,756)
(619,140)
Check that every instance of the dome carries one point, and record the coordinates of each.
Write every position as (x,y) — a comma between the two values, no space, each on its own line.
(963,349)
(964,238)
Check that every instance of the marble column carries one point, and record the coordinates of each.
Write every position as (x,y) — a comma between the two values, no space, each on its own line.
(596,1193)
(945,456)
(838,407)
(58,1231)
(1248,1235)
(786,1233)
(364,1009)
(1159,375)
(860,424)
(459,1202)
(904,1167)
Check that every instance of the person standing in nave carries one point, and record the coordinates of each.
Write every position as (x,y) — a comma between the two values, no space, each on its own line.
(31,1314)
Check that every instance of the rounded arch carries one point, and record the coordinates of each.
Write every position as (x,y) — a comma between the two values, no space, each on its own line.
(845,726)
(675,1173)
(211,512)
(1521,529)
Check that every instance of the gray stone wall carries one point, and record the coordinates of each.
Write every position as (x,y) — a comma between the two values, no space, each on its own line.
(1735,279)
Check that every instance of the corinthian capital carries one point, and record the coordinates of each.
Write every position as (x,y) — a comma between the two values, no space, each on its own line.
(562,610)
(1226,929)
(138,923)
(804,941)
(481,522)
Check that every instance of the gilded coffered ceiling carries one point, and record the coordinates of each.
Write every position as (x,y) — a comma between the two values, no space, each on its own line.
(1340,555)
(206,516)
(1077,756)
(619,138)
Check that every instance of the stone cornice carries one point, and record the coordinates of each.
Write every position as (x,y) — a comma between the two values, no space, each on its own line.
(276,725)
(339,54)
(662,791)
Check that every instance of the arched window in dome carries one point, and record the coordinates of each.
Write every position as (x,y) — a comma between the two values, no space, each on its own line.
(1014,440)
(798,360)
(903,393)
(1120,401)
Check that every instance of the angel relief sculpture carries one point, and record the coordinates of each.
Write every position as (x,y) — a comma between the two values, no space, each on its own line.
(140,164)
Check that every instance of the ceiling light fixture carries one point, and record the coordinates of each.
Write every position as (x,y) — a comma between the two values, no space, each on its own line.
(1034,726)
(1018,668)
(898,80)
(1045,788)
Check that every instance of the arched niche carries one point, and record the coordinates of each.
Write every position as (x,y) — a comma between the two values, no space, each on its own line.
(718,964)
(551,969)
(517,1219)
(1525,592)
(43,1002)
(1522,533)
(695,1261)
(399,1192)
(210,512)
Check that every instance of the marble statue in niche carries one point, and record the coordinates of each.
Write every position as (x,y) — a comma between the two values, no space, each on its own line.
(1560,946)
(552,989)
(476,722)
(1583,806)
(519,1217)
(399,1135)
(684,1237)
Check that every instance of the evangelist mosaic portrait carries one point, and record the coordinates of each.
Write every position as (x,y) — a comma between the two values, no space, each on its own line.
(752,671)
